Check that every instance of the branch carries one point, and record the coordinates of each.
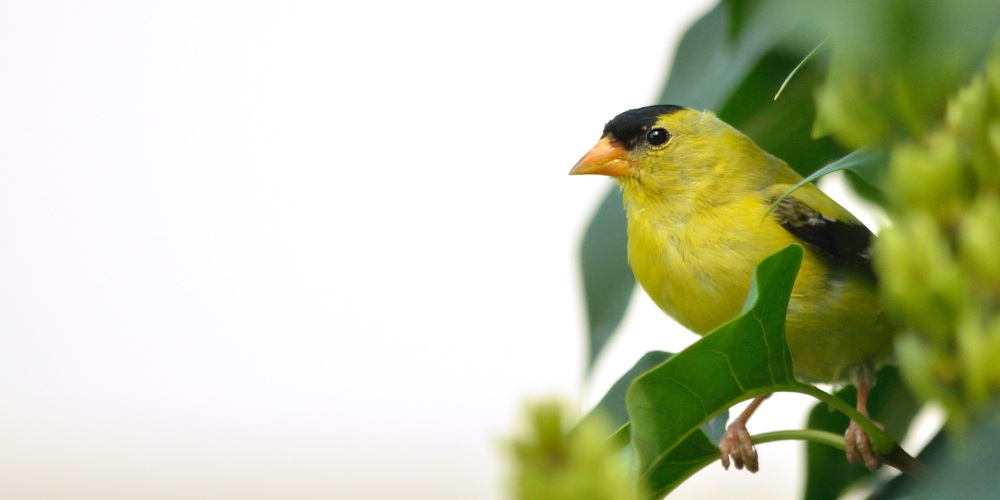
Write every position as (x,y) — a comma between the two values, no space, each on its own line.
(883,444)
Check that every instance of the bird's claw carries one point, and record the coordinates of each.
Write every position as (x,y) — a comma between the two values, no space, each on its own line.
(859,446)
(736,443)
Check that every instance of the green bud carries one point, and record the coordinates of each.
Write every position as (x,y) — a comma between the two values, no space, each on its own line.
(939,266)
(919,366)
(555,464)
(929,176)
(991,352)
(920,281)
(848,106)
(979,238)
(969,109)
(993,137)
(973,364)
(993,72)
(968,119)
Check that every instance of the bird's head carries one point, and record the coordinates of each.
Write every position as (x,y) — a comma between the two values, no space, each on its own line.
(668,150)
(632,139)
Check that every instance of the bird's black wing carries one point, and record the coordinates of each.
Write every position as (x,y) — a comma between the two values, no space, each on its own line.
(844,244)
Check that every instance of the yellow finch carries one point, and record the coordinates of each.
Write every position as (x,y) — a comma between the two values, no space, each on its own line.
(697,195)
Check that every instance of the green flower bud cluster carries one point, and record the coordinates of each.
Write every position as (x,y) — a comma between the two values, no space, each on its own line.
(553,463)
(894,64)
(940,264)
(851,104)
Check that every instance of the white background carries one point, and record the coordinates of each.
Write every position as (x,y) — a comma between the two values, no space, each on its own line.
(309,250)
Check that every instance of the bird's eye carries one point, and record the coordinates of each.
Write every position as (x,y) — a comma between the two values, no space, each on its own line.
(657,136)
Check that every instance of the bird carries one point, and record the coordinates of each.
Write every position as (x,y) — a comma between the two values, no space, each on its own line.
(704,206)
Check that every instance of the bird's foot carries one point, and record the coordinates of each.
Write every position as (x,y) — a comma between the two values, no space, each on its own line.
(859,446)
(736,443)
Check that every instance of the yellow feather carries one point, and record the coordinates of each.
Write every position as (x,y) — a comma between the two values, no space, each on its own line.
(698,224)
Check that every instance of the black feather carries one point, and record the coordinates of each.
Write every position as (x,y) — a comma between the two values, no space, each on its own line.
(844,244)
(631,126)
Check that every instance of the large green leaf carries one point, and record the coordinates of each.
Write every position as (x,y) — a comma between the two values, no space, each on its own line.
(827,471)
(905,486)
(696,451)
(744,358)
(708,67)
(607,277)
(739,11)
(612,405)
(782,127)
(964,465)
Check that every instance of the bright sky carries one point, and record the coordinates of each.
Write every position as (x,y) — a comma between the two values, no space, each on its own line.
(308,249)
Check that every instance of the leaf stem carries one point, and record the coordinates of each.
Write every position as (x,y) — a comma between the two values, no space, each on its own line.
(821,437)
(882,443)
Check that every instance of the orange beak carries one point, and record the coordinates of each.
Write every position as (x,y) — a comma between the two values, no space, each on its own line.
(606,158)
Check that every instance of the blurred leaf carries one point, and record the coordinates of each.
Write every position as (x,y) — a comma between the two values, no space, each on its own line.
(870,165)
(782,127)
(607,277)
(970,473)
(827,472)
(896,62)
(866,190)
(707,68)
(716,427)
(903,486)
(744,358)
(612,405)
(963,468)
(739,11)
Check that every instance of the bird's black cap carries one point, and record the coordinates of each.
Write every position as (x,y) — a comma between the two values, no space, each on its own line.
(629,127)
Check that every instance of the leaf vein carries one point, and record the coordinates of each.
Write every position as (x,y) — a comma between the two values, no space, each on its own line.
(704,411)
(732,371)
(767,346)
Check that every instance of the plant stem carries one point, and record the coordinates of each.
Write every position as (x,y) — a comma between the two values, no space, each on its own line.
(882,443)
(815,436)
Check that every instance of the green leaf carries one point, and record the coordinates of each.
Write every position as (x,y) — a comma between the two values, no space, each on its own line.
(696,451)
(784,127)
(738,79)
(806,59)
(827,472)
(707,68)
(612,405)
(970,473)
(739,11)
(869,164)
(690,455)
(744,358)
(896,63)
(607,277)
(905,486)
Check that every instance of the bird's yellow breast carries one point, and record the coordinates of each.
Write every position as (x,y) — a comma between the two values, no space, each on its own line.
(697,265)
